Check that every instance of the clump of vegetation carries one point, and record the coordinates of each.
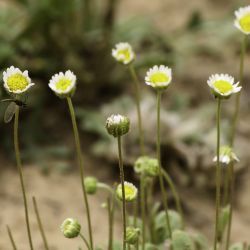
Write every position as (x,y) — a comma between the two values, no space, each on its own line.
(150,226)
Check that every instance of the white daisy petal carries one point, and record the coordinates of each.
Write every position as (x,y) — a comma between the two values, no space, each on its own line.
(158,77)
(16,81)
(123,53)
(242,19)
(226,155)
(223,85)
(63,84)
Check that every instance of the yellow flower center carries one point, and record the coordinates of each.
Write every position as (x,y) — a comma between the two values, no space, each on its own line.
(124,54)
(63,84)
(223,86)
(245,23)
(17,82)
(159,77)
(129,191)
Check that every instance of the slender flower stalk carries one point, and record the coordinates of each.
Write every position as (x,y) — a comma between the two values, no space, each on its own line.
(231,195)
(138,107)
(111,203)
(237,99)
(163,190)
(218,175)
(123,190)
(45,242)
(11,238)
(85,241)
(175,194)
(80,160)
(142,199)
(20,171)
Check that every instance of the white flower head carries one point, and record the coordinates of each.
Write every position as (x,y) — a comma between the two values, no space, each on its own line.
(223,85)
(63,84)
(242,19)
(15,81)
(226,155)
(159,77)
(117,125)
(130,191)
(123,53)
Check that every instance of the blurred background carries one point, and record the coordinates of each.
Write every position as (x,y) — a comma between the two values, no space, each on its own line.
(196,38)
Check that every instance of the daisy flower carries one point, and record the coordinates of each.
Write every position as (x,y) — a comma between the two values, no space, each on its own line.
(15,81)
(63,84)
(130,191)
(223,85)
(123,53)
(159,77)
(226,155)
(242,19)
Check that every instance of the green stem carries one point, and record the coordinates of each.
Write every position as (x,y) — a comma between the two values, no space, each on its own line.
(137,99)
(231,177)
(218,176)
(135,212)
(11,238)
(40,224)
(226,186)
(237,99)
(163,191)
(123,190)
(111,220)
(20,171)
(85,241)
(175,194)
(142,188)
(80,160)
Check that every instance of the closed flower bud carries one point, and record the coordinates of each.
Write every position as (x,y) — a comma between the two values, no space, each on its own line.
(70,228)
(130,191)
(117,125)
(181,240)
(90,184)
(132,235)
(147,166)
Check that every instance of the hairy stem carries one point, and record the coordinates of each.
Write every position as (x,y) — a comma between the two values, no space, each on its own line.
(80,160)
(143,214)
(20,171)
(123,191)
(163,190)
(40,224)
(138,108)
(218,176)
(11,238)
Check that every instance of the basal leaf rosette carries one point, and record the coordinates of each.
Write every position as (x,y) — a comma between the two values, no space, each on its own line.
(15,81)
(130,191)
(123,53)
(63,84)
(223,85)
(159,77)
(242,19)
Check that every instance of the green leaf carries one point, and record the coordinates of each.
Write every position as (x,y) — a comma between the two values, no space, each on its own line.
(237,246)
(182,241)
(9,112)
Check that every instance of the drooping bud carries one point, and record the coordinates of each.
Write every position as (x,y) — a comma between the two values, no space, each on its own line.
(226,155)
(147,166)
(90,184)
(117,125)
(132,235)
(70,228)
(130,191)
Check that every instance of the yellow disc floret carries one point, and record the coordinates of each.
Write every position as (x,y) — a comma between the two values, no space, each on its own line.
(159,77)
(63,84)
(223,86)
(125,54)
(245,23)
(17,82)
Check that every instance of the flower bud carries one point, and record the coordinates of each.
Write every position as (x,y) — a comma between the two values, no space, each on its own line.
(181,240)
(226,155)
(130,191)
(147,166)
(70,228)
(117,125)
(132,235)
(90,184)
